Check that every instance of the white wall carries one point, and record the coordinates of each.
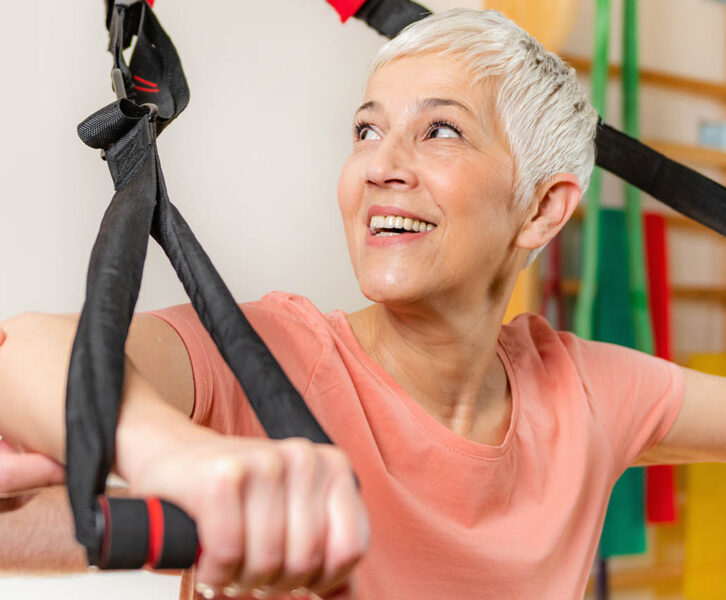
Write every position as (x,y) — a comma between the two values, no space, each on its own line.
(252,164)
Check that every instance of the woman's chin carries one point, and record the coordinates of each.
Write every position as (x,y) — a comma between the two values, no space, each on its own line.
(391,293)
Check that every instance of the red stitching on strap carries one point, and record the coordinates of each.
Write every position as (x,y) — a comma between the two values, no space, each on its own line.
(145,81)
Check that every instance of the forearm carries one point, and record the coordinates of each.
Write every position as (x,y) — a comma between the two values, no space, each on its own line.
(33,367)
(38,537)
(34,362)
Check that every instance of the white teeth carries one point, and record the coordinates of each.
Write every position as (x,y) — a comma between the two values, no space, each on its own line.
(379,222)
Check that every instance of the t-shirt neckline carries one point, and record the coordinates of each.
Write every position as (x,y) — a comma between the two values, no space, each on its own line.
(431,427)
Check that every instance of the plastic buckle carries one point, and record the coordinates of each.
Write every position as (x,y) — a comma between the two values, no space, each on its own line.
(153,110)
(117,82)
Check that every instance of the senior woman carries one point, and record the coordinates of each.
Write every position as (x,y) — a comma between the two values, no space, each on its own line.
(485,453)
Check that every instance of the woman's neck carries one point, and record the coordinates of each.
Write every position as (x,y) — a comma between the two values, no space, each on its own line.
(446,360)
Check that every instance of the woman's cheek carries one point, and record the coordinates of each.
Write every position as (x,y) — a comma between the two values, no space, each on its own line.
(349,188)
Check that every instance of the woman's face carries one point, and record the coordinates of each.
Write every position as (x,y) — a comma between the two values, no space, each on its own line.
(426,194)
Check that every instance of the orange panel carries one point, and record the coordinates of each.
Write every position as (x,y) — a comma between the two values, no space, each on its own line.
(550,22)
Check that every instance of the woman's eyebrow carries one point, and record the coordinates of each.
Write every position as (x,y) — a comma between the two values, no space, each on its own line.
(436,102)
(428,103)
(370,105)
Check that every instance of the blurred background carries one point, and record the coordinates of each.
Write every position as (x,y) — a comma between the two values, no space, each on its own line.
(253,166)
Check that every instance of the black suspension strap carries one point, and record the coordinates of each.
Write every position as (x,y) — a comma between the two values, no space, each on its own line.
(674,184)
(152,90)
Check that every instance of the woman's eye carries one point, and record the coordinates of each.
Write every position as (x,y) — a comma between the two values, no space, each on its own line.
(366,133)
(443,131)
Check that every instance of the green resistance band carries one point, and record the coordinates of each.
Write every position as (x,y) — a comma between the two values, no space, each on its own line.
(623,317)
(584,307)
(633,216)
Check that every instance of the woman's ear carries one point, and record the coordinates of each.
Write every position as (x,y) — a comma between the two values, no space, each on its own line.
(555,201)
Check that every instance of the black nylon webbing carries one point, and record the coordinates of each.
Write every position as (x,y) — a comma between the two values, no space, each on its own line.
(674,184)
(139,208)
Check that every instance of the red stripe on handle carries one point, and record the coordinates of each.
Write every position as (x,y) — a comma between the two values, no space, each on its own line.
(106,544)
(156,531)
(149,90)
(346,8)
(150,3)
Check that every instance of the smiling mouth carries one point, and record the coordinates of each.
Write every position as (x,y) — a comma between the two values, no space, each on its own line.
(381,226)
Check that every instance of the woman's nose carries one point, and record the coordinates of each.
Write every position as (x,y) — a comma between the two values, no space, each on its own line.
(391,165)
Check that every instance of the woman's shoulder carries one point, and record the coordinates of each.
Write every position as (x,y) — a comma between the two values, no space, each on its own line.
(598,365)
(291,327)
(286,305)
(533,331)
(529,332)
(287,309)
(530,340)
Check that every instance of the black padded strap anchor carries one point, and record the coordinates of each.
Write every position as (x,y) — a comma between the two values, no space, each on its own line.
(389,17)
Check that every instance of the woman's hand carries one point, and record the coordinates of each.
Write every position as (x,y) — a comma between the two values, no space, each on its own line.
(23,474)
(272,515)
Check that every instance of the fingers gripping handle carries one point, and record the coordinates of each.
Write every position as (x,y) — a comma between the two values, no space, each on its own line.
(135,533)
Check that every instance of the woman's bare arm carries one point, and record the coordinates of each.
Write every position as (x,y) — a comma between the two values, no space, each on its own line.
(34,365)
(278,513)
(699,432)
(38,536)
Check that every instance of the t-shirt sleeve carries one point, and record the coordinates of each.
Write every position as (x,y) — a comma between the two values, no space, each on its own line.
(219,401)
(636,397)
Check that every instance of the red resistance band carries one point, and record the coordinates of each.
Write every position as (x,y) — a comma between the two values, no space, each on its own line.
(660,480)
(345,8)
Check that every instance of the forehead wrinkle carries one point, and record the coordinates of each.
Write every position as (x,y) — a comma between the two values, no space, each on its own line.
(429,103)
(426,104)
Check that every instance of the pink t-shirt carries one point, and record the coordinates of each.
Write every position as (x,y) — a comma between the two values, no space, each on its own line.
(452,518)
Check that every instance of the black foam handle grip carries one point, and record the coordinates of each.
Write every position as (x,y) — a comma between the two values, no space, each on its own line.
(134,533)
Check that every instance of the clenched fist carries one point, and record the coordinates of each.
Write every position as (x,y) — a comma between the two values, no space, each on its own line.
(273,515)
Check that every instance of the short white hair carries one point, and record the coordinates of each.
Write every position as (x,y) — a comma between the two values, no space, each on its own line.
(545,114)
